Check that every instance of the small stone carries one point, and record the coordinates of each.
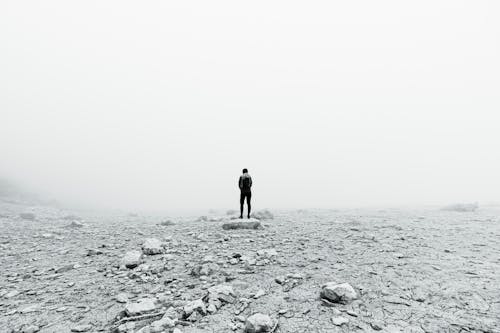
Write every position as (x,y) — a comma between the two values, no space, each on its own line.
(121,298)
(27,216)
(31,329)
(144,305)
(377,325)
(244,224)
(11,294)
(339,321)
(195,306)
(152,246)
(65,268)
(81,328)
(259,293)
(132,259)
(338,293)
(258,323)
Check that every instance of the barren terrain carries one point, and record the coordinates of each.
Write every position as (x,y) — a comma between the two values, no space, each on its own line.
(411,270)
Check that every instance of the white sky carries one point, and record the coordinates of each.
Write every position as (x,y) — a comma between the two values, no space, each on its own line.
(160,104)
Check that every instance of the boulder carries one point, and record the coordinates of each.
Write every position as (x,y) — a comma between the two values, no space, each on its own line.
(132,259)
(258,323)
(338,293)
(152,246)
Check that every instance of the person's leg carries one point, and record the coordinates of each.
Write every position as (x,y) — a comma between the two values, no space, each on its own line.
(242,201)
(249,197)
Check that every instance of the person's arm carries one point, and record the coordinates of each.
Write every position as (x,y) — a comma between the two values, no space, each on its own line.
(240,183)
(250,181)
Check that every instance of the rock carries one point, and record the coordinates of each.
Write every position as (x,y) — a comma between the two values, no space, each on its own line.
(222,293)
(339,321)
(30,329)
(27,216)
(242,225)
(126,327)
(132,259)
(93,252)
(204,270)
(12,293)
(121,298)
(75,224)
(176,330)
(338,293)
(267,253)
(377,325)
(152,246)
(144,305)
(162,324)
(194,306)
(81,328)
(166,223)
(259,293)
(65,268)
(263,215)
(461,207)
(258,323)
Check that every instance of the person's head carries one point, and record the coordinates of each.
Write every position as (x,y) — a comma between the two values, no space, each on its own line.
(245,171)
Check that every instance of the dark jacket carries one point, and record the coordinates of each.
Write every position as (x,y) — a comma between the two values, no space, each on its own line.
(245,183)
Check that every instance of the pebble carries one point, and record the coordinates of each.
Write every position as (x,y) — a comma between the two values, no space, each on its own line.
(81,328)
(142,306)
(339,321)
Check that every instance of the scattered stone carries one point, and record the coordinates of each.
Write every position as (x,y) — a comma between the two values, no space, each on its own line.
(152,246)
(65,268)
(377,325)
(81,328)
(339,321)
(144,305)
(166,223)
(30,329)
(12,293)
(93,252)
(75,224)
(263,215)
(252,225)
(162,324)
(132,259)
(27,216)
(194,306)
(121,298)
(338,293)
(259,293)
(258,323)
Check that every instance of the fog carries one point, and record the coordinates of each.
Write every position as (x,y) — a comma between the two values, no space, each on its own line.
(159,105)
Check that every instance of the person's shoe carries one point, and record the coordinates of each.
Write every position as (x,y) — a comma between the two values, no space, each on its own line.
(248,216)
(241,216)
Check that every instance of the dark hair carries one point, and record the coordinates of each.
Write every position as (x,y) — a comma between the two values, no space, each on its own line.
(245,170)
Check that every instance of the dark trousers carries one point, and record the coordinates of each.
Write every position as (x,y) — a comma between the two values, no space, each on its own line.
(248,196)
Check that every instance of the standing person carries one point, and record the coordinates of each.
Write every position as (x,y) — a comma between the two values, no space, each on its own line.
(245,184)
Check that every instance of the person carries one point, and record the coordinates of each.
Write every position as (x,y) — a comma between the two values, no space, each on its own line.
(245,184)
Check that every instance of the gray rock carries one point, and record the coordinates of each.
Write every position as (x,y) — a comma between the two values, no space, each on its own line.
(195,306)
(152,246)
(263,215)
(81,328)
(142,306)
(30,329)
(338,293)
(258,323)
(27,216)
(132,259)
(242,224)
(339,321)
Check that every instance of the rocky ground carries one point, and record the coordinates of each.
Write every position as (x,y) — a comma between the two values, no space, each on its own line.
(301,271)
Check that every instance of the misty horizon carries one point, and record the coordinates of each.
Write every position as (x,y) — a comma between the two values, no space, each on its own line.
(340,105)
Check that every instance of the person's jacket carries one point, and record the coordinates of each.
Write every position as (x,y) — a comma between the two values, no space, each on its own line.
(245,183)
